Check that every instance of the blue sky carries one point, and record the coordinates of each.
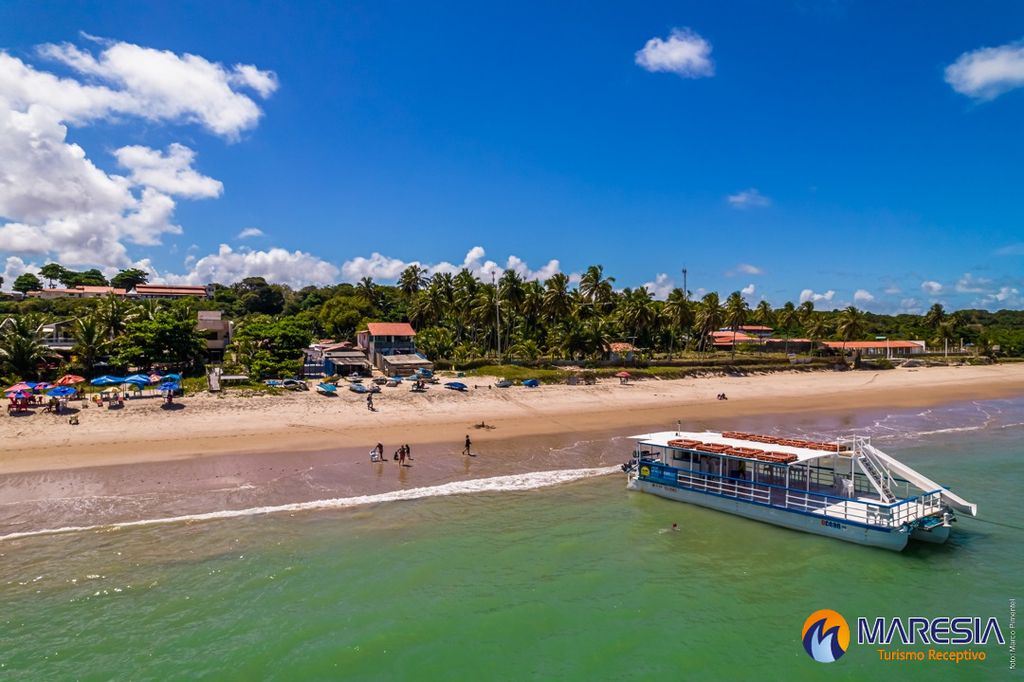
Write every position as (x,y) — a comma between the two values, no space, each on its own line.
(786,149)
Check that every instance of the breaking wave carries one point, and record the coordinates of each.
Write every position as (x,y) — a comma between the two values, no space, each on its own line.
(510,483)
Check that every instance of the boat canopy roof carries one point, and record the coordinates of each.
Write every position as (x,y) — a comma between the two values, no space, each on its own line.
(662,438)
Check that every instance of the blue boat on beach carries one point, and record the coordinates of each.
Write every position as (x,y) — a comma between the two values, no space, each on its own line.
(847,489)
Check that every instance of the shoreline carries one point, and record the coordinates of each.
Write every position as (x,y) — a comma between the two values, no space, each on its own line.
(209,425)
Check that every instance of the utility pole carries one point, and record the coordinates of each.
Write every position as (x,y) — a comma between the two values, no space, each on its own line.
(497,316)
(686,293)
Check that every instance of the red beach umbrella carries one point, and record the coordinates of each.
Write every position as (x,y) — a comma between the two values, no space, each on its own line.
(20,386)
(623,375)
(68,380)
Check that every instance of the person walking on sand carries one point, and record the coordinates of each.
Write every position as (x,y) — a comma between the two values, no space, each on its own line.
(408,452)
(466,450)
(369,403)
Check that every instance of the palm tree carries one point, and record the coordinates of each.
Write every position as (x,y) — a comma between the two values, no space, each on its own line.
(556,296)
(935,316)
(764,315)
(708,316)
(818,327)
(115,313)
(850,326)
(736,313)
(805,311)
(21,347)
(90,342)
(595,288)
(678,314)
(366,290)
(787,318)
(637,313)
(412,279)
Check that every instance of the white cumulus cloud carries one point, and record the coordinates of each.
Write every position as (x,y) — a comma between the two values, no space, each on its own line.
(748,198)
(969,284)
(154,84)
(931,287)
(811,295)
(54,201)
(276,265)
(171,172)
(988,72)
(683,53)
(250,232)
(748,269)
(661,287)
(381,267)
(863,296)
(748,290)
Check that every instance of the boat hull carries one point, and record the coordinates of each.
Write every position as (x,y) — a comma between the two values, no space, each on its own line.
(894,539)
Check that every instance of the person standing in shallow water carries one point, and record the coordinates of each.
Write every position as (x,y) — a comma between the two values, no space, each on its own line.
(466,450)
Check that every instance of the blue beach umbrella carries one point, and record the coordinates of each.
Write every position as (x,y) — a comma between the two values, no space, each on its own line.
(107,380)
(171,377)
(62,391)
(170,386)
(137,379)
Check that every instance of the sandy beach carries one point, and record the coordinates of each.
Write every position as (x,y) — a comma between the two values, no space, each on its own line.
(208,425)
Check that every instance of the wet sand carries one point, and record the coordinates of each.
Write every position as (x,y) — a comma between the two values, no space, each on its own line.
(208,425)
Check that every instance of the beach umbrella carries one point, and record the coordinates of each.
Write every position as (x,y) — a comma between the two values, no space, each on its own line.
(62,391)
(171,377)
(18,387)
(138,379)
(41,386)
(154,378)
(68,380)
(107,380)
(623,375)
(170,386)
(21,395)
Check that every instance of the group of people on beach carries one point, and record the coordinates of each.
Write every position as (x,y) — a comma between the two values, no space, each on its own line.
(404,452)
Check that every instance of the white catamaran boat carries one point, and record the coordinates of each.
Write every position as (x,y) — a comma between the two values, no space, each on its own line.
(847,489)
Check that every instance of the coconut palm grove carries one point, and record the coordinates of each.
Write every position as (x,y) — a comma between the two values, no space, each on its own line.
(463,322)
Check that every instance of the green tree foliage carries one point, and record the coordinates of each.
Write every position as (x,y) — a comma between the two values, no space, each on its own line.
(27,282)
(128,279)
(268,347)
(21,347)
(169,339)
(341,316)
(52,272)
(72,278)
(255,295)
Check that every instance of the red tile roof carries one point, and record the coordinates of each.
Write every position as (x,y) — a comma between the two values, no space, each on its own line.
(390,329)
(874,344)
(620,347)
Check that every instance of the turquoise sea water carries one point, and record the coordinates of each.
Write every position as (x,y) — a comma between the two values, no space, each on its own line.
(580,580)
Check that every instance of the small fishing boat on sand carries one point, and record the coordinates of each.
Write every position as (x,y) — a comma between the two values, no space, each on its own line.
(503,383)
(456,386)
(531,383)
(846,489)
(326,389)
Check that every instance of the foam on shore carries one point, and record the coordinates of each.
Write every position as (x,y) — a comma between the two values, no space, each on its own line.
(510,483)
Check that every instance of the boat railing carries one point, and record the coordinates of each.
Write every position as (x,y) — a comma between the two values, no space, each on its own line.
(875,513)
(725,486)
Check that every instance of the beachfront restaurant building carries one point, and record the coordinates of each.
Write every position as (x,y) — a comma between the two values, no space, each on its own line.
(883,347)
(391,348)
